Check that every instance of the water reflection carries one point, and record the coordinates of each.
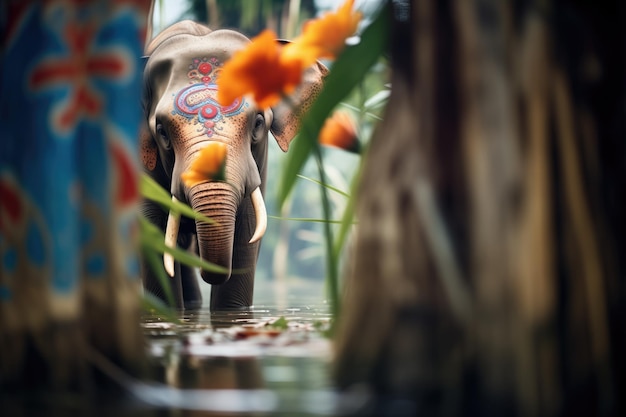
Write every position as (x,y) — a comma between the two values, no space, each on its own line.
(219,364)
(236,362)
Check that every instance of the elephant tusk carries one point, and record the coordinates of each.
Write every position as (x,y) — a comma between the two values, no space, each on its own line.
(171,235)
(261,215)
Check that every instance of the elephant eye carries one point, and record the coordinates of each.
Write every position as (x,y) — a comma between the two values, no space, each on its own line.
(162,136)
(258,131)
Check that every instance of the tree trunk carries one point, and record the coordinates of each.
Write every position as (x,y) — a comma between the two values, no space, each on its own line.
(486,277)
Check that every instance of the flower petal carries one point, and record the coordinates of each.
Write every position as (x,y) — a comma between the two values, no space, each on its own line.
(209,165)
(325,37)
(340,131)
(259,70)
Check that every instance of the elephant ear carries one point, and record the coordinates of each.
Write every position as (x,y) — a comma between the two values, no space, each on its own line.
(148,148)
(287,116)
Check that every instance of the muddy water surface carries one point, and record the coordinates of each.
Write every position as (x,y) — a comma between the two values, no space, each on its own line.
(272,360)
(266,361)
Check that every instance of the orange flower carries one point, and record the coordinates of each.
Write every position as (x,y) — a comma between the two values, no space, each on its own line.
(340,131)
(325,37)
(261,71)
(208,165)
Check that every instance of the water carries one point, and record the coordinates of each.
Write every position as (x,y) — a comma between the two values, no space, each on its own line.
(238,363)
(224,363)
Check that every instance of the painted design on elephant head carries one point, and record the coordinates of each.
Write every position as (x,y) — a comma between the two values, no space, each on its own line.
(198,102)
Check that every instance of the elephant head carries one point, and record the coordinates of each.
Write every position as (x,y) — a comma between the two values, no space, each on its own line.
(182,117)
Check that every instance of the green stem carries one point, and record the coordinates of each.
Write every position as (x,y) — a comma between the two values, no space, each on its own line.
(331,261)
(332,280)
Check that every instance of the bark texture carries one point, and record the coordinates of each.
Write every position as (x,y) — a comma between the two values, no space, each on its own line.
(487,278)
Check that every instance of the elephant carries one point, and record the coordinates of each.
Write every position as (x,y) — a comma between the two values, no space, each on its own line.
(182,116)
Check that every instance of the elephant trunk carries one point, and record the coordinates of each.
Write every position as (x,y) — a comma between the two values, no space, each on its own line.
(217,201)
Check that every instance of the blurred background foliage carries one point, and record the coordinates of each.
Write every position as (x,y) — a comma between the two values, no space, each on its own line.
(251,17)
(292,263)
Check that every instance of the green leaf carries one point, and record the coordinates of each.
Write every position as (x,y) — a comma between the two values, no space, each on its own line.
(325,328)
(154,305)
(346,73)
(281,323)
(348,216)
(305,219)
(364,113)
(330,187)
(153,238)
(151,190)
(155,262)
(377,100)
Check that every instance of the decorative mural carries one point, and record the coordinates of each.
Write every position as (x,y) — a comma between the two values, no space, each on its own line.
(69,118)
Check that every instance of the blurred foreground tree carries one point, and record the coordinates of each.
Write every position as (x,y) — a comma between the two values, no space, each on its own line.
(487,277)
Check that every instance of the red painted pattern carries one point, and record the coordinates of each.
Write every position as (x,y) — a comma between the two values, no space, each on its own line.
(10,204)
(75,70)
(127,188)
